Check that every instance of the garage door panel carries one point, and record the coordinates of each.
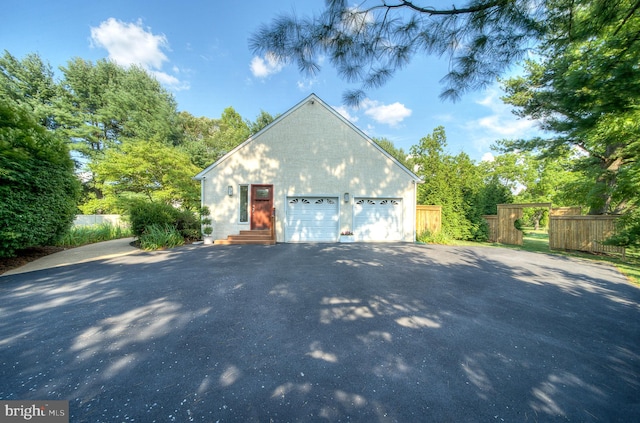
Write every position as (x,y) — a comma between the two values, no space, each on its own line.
(311,219)
(378,220)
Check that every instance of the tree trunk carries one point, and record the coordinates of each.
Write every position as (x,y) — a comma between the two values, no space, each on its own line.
(607,180)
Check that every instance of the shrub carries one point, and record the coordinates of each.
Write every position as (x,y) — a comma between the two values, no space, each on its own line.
(156,237)
(143,214)
(38,187)
(82,235)
(430,238)
(186,222)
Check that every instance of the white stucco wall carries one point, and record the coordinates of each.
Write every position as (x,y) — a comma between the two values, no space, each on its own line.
(309,151)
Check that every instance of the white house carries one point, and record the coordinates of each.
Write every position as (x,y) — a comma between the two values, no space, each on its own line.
(320,173)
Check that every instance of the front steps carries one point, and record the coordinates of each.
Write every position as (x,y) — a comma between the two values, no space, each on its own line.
(261,237)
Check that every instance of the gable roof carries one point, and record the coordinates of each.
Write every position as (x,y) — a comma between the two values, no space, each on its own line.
(311,98)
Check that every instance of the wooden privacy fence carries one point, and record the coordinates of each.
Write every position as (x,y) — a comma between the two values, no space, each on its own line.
(428,218)
(501,226)
(492,222)
(567,229)
(583,233)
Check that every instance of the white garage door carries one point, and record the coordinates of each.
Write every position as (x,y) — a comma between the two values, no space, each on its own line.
(377,219)
(311,219)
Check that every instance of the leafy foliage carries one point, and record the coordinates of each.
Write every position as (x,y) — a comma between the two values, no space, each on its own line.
(29,83)
(583,88)
(157,237)
(628,231)
(206,140)
(38,188)
(457,184)
(156,171)
(389,147)
(144,214)
(82,235)
(103,104)
(370,42)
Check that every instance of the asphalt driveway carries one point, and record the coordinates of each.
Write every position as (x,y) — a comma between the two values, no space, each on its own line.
(326,332)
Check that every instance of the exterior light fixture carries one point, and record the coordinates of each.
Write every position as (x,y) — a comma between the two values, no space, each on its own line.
(230,190)
(346,197)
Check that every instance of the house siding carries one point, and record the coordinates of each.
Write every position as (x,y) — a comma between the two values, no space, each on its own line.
(310,151)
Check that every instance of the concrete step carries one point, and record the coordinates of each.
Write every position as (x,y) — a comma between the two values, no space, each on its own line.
(246,241)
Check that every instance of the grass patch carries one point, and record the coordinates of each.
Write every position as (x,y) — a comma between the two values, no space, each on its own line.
(535,241)
(83,235)
(538,242)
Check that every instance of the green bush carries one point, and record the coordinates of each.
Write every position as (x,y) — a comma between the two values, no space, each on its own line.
(480,231)
(143,215)
(427,237)
(186,222)
(519,224)
(38,187)
(156,237)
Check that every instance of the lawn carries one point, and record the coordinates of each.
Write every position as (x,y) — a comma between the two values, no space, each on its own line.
(537,241)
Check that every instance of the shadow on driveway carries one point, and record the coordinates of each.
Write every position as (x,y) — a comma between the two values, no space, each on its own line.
(325,332)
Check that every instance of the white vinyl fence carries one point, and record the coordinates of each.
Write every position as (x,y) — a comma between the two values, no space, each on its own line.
(97,219)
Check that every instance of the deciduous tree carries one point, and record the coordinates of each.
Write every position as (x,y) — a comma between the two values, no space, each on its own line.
(148,169)
(584,88)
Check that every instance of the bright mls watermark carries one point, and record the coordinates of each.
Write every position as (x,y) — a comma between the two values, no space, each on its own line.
(34,411)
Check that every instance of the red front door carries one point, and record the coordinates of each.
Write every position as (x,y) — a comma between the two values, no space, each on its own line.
(261,206)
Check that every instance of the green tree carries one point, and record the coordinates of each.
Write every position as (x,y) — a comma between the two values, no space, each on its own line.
(30,83)
(232,131)
(38,188)
(197,138)
(583,88)
(206,140)
(454,182)
(389,147)
(149,169)
(101,107)
(536,180)
(102,104)
(369,42)
(262,120)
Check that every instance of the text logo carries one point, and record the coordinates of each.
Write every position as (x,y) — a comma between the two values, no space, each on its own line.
(34,411)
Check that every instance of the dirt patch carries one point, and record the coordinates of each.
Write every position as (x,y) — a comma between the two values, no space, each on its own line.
(25,256)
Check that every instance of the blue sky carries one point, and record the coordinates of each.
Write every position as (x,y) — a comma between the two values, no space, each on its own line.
(200,51)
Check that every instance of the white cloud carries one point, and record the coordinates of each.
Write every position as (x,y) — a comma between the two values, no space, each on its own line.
(488,157)
(307,84)
(502,122)
(131,44)
(170,80)
(390,114)
(345,113)
(497,123)
(263,67)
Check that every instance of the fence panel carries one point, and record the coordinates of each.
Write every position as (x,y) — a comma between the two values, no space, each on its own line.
(97,219)
(507,232)
(492,222)
(428,218)
(582,233)
(565,211)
